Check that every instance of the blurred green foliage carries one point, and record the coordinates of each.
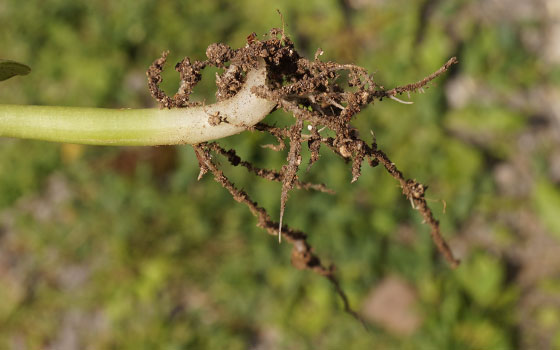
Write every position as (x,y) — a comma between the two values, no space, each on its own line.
(122,248)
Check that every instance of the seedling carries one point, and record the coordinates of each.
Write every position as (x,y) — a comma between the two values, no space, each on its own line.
(256,79)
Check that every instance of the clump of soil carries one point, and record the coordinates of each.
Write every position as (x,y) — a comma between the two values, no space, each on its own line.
(307,89)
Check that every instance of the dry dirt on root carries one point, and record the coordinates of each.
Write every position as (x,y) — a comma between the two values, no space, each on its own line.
(309,90)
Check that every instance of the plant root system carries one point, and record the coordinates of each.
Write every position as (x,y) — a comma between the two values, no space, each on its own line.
(307,89)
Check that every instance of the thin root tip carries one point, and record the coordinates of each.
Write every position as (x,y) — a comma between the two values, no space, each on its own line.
(455,263)
(392,97)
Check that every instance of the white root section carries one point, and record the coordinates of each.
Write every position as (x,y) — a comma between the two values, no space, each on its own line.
(231,116)
(393,97)
(141,127)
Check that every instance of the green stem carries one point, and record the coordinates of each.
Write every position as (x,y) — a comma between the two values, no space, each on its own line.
(139,127)
(94,126)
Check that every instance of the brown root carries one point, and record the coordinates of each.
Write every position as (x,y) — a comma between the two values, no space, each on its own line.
(309,90)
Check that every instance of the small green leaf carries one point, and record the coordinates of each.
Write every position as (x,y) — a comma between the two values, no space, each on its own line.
(9,69)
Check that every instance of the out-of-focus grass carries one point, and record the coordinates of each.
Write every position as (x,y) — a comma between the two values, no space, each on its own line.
(114,248)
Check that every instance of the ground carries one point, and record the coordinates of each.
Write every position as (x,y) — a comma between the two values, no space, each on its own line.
(96,240)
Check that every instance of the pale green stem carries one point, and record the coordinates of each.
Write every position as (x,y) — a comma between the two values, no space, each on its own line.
(139,127)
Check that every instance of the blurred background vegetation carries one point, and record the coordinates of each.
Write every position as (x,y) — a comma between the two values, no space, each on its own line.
(121,248)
